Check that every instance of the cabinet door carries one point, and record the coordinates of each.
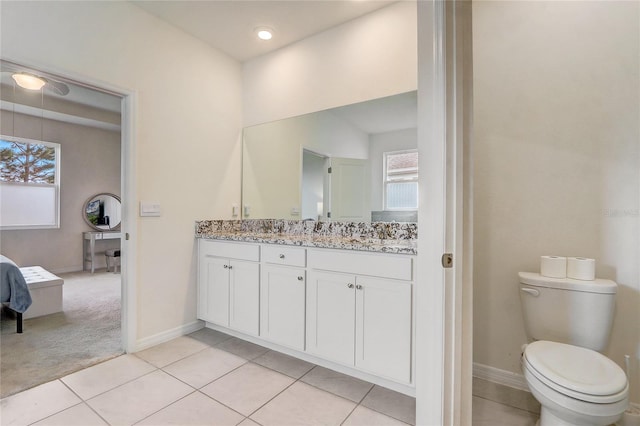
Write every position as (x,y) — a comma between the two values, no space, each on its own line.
(244,299)
(383,327)
(330,316)
(282,305)
(213,290)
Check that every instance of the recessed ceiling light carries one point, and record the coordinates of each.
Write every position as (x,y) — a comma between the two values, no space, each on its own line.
(28,81)
(264,33)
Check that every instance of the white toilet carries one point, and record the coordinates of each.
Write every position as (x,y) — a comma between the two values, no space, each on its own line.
(569,321)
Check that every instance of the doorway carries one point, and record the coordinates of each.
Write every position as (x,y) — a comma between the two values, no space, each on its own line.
(314,185)
(92,126)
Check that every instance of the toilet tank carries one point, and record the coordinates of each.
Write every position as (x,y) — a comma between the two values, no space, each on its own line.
(568,311)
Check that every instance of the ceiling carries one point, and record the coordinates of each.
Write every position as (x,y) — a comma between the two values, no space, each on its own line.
(230,26)
(382,115)
(81,105)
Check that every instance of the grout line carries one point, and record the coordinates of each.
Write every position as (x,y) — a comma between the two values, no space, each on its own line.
(118,386)
(367,394)
(208,383)
(82,402)
(275,396)
(299,379)
(349,415)
(386,414)
(166,406)
(224,405)
(247,361)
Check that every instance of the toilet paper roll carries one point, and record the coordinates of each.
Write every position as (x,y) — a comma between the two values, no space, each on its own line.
(581,268)
(553,266)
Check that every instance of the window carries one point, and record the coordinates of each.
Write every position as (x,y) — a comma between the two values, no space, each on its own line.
(29,184)
(401,180)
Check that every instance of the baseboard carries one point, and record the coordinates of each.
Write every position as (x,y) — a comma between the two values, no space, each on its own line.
(167,335)
(503,387)
(501,377)
(66,270)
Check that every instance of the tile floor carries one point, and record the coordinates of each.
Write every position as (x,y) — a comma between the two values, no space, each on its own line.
(209,378)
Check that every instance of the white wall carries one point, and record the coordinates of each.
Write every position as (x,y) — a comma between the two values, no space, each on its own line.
(380,143)
(557,160)
(187,128)
(272,159)
(90,163)
(367,58)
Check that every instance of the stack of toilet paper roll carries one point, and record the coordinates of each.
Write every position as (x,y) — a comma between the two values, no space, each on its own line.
(577,268)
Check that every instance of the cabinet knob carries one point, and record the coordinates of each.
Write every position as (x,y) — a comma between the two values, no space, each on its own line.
(226,266)
(350,285)
(282,256)
(300,278)
(230,267)
(358,287)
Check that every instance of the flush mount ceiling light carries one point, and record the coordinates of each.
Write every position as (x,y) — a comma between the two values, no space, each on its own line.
(28,81)
(264,33)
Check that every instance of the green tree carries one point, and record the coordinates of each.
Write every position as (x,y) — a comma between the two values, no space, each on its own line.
(26,162)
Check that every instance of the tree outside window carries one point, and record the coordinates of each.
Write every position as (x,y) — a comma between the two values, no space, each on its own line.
(27,162)
(29,184)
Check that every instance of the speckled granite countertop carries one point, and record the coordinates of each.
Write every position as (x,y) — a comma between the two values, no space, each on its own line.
(377,237)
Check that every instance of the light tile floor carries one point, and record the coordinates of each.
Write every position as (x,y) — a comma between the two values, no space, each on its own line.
(209,378)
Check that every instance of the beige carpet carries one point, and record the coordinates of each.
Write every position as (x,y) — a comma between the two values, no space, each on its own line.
(85,333)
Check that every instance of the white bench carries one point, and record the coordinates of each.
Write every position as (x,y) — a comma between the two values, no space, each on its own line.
(45,289)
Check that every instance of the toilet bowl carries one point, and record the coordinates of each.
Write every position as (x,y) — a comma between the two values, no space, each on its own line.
(574,385)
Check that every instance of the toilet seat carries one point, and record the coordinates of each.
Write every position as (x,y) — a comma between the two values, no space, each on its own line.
(577,372)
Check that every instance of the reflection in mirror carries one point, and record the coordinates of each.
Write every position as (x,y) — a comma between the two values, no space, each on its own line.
(328,165)
(102,212)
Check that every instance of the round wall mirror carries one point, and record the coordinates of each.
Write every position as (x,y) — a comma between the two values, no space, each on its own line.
(102,212)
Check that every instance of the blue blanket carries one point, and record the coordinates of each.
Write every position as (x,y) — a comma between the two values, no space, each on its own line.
(13,287)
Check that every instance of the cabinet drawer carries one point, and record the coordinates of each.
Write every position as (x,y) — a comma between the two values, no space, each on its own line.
(284,255)
(241,251)
(398,267)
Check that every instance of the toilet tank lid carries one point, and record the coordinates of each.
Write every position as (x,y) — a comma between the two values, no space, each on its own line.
(596,286)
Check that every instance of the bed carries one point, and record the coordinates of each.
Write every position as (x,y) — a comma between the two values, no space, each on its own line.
(13,289)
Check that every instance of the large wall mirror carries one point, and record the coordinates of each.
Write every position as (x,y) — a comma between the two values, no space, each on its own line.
(353,163)
(102,212)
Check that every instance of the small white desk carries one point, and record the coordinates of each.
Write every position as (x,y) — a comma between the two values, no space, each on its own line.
(89,245)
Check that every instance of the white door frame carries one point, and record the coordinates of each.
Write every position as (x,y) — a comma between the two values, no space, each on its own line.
(129,223)
(443,296)
(127,187)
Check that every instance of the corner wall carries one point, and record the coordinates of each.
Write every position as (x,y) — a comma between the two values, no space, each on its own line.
(557,160)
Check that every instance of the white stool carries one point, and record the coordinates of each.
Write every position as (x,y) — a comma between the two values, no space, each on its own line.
(113,259)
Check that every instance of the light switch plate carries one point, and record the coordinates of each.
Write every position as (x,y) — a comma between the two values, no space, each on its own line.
(149,209)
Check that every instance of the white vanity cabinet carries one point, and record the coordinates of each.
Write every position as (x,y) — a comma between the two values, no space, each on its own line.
(229,285)
(282,296)
(358,319)
(347,310)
